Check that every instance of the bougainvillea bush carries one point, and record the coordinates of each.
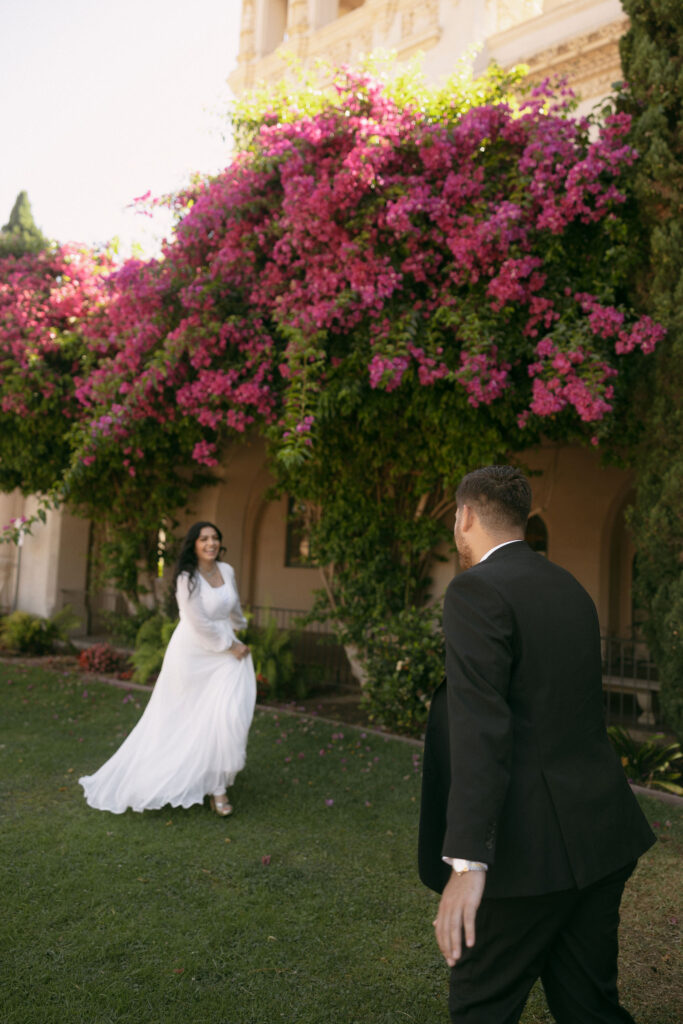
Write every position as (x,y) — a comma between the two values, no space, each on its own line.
(48,303)
(65,317)
(392,282)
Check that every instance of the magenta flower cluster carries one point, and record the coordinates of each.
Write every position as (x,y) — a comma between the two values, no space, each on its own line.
(426,246)
(46,300)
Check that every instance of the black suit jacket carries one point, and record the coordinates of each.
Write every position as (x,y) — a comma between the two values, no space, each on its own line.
(518,769)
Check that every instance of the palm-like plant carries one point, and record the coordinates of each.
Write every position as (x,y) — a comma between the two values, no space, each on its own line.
(650,762)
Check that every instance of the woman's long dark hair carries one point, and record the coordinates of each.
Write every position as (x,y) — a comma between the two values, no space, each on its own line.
(187,559)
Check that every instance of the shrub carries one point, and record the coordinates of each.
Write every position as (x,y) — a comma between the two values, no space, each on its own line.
(123,628)
(103,658)
(273,657)
(24,633)
(649,763)
(150,646)
(404,660)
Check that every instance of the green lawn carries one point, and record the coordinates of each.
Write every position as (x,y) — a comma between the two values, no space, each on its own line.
(173,917)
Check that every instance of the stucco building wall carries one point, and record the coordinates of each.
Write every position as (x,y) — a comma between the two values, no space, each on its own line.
(49,569)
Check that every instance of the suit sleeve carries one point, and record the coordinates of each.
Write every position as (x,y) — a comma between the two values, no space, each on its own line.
(479,632)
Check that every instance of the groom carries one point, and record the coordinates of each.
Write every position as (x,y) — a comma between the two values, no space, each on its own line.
(528,827)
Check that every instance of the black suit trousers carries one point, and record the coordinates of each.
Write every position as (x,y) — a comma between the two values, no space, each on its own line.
(567,939)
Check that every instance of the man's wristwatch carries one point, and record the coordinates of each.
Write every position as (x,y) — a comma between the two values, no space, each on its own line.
(461,867)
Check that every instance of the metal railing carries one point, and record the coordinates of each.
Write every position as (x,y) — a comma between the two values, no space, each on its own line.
(629,676)
(316,649)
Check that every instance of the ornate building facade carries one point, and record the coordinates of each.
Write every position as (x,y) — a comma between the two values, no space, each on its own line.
(574,38)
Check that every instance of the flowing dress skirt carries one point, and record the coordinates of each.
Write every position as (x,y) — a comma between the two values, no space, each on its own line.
(192,737)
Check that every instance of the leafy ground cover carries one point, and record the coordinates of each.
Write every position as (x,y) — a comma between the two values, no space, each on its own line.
(304,907)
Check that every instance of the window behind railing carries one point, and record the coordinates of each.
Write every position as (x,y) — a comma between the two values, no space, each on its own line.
(630,683)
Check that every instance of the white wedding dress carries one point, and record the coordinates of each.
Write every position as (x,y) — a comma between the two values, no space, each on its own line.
(192,737)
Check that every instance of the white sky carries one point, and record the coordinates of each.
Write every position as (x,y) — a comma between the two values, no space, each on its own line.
(101,100)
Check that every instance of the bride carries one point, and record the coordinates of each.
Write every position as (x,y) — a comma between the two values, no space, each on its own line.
(192,737)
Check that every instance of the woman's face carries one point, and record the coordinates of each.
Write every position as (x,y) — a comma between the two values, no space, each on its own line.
(207,544)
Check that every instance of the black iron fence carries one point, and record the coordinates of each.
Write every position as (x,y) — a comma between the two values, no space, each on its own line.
(316,649)
(629,676)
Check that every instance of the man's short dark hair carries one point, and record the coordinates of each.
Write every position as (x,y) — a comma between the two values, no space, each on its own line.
(501,496)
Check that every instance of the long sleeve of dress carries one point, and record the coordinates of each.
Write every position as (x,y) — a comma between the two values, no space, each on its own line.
(214,634)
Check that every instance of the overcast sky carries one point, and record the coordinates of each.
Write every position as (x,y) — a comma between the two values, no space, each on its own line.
(101,100)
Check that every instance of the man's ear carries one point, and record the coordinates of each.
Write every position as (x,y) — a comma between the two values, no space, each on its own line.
(467,516)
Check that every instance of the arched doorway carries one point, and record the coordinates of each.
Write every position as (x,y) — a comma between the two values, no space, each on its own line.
(536,535)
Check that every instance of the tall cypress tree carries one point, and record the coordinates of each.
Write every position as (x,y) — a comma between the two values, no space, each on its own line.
(652,61)
(20,235)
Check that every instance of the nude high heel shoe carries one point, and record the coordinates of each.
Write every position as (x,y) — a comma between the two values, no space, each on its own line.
(221,805)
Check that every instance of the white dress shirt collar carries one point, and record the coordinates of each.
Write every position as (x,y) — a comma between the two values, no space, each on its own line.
(490,551)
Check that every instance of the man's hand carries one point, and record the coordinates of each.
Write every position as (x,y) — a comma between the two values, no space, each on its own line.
(457,912)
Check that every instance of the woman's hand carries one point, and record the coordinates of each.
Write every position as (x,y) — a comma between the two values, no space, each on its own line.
(238,650)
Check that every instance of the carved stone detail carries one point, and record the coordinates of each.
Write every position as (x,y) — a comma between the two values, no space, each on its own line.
(590,62)
(508,13)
